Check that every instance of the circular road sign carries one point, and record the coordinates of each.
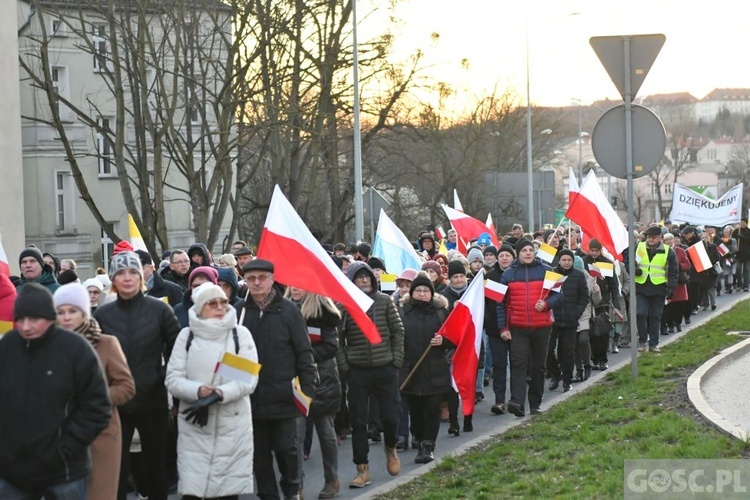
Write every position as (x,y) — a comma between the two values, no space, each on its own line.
(648,136)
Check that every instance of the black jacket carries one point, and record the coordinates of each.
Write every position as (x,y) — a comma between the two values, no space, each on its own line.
(421,321)
(181,309)
(181,281)
(609,286)
(575,298)
(54,401)
(146,328)
(327,399)
(743,241)
(165,289)
(284,352)
(490,306)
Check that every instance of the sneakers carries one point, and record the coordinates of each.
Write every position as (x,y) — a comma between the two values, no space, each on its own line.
(516,409)
(362,478)
(536,411)
(330,489)
(392,462)
(426,452)
(498,409)
(641,347)
(654,349)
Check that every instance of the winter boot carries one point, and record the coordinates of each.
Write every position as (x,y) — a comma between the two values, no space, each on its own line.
(392,462)
(362,478)
(586,372)
(419,459)
(428,451)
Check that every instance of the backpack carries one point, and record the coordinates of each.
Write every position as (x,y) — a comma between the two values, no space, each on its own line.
(234,337)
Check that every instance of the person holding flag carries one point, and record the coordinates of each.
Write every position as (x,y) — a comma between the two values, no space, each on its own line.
(215,455)
(655,280)
(425,375)
(727,248)
(524,317)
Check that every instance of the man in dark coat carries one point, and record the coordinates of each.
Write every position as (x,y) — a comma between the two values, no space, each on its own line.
(55,402)
(575,298)
(284,352)
(179,269)
(742,234)
(498,347)
(35,270)
(156,286)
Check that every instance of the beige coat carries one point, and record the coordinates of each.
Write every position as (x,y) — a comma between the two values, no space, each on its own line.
(105,450)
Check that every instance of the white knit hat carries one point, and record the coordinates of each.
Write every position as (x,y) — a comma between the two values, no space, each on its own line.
(93,282)
(73,294)
(204,293)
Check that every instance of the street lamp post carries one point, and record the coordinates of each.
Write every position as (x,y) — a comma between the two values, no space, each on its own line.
(359,219)
(529,158)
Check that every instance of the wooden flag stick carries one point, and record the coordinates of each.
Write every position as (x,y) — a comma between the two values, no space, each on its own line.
(413,370)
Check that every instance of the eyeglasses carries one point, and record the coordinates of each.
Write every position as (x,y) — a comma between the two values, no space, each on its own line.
(420,290)
(362,277)
(217,303)
(260,278)
(181,262)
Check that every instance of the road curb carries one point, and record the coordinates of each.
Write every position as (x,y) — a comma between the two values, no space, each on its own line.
(706,371)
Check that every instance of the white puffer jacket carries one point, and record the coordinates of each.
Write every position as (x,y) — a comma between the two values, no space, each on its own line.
(215,460)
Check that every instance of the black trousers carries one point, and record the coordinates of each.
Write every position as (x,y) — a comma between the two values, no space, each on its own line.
(560,364)
(528,354)
(380,383)
(424,412)
(583,350)
(276,437)
(152,429)
(499,349)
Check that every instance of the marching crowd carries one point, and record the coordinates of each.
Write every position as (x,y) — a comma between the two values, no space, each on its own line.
(122,367)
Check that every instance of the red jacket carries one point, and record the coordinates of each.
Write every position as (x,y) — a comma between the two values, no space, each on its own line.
(525,287)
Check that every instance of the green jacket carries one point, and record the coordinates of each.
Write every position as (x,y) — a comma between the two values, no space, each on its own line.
(356,350)
(46,279)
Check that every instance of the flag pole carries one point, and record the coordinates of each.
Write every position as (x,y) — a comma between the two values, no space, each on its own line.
(413,370)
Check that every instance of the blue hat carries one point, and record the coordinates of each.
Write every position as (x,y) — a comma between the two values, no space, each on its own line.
(484,239)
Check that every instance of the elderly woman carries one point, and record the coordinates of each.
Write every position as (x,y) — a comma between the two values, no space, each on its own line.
(423,312)
(214,460)
(73,308)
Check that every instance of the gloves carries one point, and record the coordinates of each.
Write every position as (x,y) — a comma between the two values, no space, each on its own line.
(638,271)
(198,411)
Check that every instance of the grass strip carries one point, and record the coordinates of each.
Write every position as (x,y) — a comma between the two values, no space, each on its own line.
(577,449)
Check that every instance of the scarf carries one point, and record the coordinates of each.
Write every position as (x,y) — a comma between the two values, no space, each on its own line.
(263,304)
(90,329)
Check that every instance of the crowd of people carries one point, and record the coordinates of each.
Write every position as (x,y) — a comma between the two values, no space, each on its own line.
(124,364)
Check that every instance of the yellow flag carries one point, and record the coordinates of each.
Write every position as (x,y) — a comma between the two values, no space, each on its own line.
(136,241)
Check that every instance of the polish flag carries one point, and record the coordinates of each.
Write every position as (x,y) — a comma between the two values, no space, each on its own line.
(494,290)
(468,227)
(440,233)
(4,264)
(457,202)
(573,186)
(301,400)
(300,261)
(136,241)
(591,210)
(699,257)
(595,272)
(722,249)
(463,327)
(315,334)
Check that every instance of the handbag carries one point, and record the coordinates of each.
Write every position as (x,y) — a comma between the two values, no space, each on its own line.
(600,325)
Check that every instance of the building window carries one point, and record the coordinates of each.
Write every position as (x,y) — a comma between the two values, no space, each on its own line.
(104,152)
(107,246)
(64,202)
(58,28)
(99,41)
(59,77)
(668,188)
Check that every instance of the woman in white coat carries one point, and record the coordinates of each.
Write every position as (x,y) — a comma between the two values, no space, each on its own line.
(215,460)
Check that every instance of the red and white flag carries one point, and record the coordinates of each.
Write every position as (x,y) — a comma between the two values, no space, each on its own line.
(463,327)
(301,400)
(494,290)
(595,271)
(699,257)
(722,249)
(491,226)
(591,210)
(300,261)
(573,186)
(4,264)
(440,233)
(468,227)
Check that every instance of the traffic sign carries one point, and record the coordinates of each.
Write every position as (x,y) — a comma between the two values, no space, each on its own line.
(648,138)
(643,50)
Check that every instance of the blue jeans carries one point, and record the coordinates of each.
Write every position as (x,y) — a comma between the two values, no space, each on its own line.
(649,311)
(73,490)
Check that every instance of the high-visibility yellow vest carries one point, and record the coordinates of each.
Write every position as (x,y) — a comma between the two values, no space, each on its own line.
(656,269)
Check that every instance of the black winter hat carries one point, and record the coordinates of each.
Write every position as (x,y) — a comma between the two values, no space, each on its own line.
(422,280)
(490,249)
(505,247)
(66,277)
(376,263)
(31,252)
(566,251)
(521,244)
(455,267)
(145,257)
(34,301)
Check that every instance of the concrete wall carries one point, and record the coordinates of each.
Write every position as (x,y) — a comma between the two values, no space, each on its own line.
(11,165)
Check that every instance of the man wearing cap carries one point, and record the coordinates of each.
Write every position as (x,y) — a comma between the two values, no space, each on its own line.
(55,402)
(284,352)
(243,256)
(34,269)
(499,348)
(516,233)
(371,371)
(655,279)
(156,286)
(524,318)
(146,328)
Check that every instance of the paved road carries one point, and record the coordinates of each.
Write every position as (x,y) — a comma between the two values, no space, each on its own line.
(485,425)
(725,390)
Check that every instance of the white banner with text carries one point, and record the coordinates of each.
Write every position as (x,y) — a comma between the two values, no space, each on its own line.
(689,206)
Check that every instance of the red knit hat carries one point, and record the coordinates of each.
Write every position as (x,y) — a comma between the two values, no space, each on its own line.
(122,246)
